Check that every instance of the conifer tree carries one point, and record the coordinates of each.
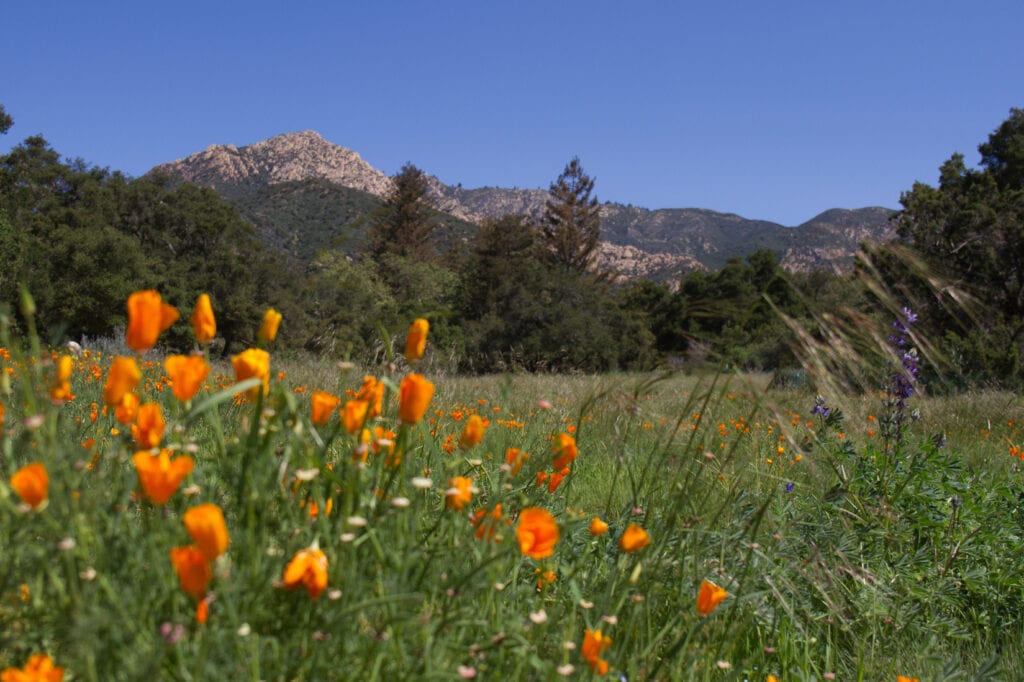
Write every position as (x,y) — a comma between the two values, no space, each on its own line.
(406,222)
(571,226)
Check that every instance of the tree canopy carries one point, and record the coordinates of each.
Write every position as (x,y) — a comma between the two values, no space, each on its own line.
(571,226)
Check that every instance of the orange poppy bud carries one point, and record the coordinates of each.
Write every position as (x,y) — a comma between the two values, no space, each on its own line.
(254,362)
(537,533)
(598,527)
(159,475)
(205,523)
(515,458)
(354,415)
(60,384)
(459,493)
(414,396)
(127,409)
(148,429)
(187,373)
(594,644)
(32,484)
(194,572)
(709,596)
(148,316)
(268,328)
(308,568)
(416,339)
(634,539)
(122,377)
(565,451)
(323,405)
(39,668)
(372,392)
(204,325)
(472,432)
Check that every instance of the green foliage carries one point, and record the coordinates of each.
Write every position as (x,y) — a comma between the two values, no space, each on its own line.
(406,222)
(5,120)
(571,226)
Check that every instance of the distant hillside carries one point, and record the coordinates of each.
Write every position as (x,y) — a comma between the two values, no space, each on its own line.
(304,193)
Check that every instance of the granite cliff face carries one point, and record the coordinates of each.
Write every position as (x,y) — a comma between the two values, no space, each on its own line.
(638,242)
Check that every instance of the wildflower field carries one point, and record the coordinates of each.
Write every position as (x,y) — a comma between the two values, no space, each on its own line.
(183,517)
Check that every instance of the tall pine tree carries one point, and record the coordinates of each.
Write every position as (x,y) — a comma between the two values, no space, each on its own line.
(571,226)
(406,222)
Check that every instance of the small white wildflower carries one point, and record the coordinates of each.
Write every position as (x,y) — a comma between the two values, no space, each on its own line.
(611,620)
(586,604)
(345,366)
(347,537)
(244,630)
(475,462)
(400,502)
(334,595)
(66,545)
(191,491)
(724,665)
(88,574)
(307,474)
(544,405)
(356,521)
(422,482)
(566,670)
(499,586)
(467,672)
(34,422)
(569,645)
(538,617)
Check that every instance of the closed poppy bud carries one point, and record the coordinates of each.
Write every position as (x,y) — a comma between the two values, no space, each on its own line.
(634,539)
(472,433)
(414,396)
(308,568)
(268,328)
(537,533)
(148,429)
(594,644)
(60,384)
(416,339)
(372,392)
(127,409)
(187,373)
(39,668)
(148,316)
(122,377)
(555,479)
(709,596)
(32,484)
(205,524)
(323,405)
(204,325)
(597,526)
(194,572)
(565,451)
(254,362)
(159,475)
(354,415)
(459,493)
(515,458)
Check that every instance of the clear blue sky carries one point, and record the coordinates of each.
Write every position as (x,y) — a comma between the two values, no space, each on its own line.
(772,110)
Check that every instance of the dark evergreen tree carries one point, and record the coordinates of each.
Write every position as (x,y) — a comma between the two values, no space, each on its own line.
(5,121)
(406,222)
(571,226)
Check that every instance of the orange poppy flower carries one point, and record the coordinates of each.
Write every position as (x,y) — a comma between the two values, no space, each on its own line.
(308,568)
(472,432)
(250,363)
(205,523)
(594,644)
(634,538)
(148,316)
(159,475)
(194,572)
(268,328)
(904,678)
(537,533)
(354,414)
(32,484)
(414,396)
(709,597)
(127,409)
(459,493)
(487,522)
(323,405)
(555,479)
(122,377)
(515,459)
(39,668)
(372,392)
(187,372)
(148,429)
(204,325)
(598,527)
(565,451)
(416,339)
(60,384)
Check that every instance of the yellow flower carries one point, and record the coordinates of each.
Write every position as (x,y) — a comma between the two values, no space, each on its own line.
(323,405)
(148,429)
(537,533)
(148,316)
(187,372)
(122,377)
(159,475)
(203,322)
(268,328)
(414,396)
(472,432)
(565,451)
(39,668)
(372,392)
(308,568)
(709,597)
(594,644)
(205,523)
(194,572)
(354,415)
(60,385)
(597,526)
(459,493)
(634,539)
(416,339)
(254,362)
(127,409)
(32,484)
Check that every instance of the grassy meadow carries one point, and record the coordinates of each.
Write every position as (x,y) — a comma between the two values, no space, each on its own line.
(664,526)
